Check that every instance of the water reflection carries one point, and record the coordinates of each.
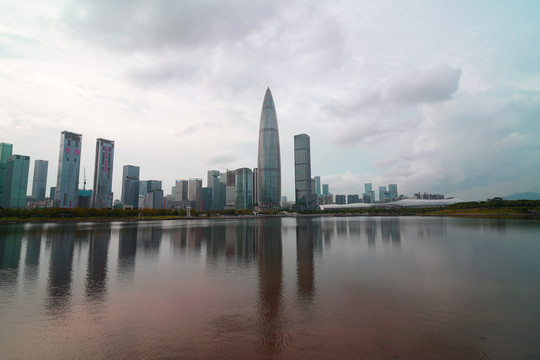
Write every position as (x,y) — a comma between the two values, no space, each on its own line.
(271,320)
(390,231)
(127,251)
(149,239)
(307,239)
(370,228)
(10,254)
(60,269)
(97,263)
(33,252)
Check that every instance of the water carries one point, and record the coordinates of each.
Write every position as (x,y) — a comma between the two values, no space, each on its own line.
(272,288)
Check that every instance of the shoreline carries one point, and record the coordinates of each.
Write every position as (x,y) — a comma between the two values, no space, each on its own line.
(487,215)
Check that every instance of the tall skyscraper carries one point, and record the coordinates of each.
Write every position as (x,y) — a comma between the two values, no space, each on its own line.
(180,190)
(195,193)
(5,151)
(383,194)
(318,185)
(302,173)
(69,161)
(15,181)
(393,192)
(269,159)
(369,192)
(244,188)
(103,172)
(213,185)
(255,187)
(325,190)
(130,186)
(39,184)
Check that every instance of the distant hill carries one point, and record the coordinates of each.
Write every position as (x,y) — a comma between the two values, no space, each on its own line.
(523,196)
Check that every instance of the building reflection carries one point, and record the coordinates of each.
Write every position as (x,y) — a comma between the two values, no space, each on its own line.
(33,252)
(355,230)
(431,228)
(10,254)
(127,250)
(96,275)
(149,239)
(308,237)
(328,232)
(271,320)
(390,231)
(370,228)
(61,242)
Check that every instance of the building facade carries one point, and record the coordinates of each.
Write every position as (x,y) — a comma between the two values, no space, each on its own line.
(69,161)
(39,183)
(268,158)
(392,192)
(102,196)
(255,188)
(213,185)
(195,193)
(318,185)
(130,186)
(244,188)
(304,198)
(15,181)
(5,151)
(383,194)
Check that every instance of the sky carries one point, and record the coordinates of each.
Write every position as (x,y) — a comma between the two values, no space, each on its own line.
(435,96)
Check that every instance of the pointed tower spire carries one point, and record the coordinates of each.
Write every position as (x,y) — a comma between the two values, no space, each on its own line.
(269,159)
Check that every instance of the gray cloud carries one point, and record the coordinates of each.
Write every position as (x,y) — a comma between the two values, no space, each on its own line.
(433,85)
(162,24)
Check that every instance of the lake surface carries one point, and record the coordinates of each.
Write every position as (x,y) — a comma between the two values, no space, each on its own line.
(272,288)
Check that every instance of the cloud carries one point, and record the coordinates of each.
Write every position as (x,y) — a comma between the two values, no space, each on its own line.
(432,85)
(160,25)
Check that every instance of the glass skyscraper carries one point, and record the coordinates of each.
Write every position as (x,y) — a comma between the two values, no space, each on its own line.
(39,183)
(244,188)
(69,161)
(5,151)
(392,189)
(214,186)
(130,186)
(268,159)
(102,196)
(15,181)
(302,173)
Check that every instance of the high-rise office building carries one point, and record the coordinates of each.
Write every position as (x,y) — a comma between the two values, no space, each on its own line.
(325,190)
(302,173)
(213,185)
(15,181)
(369,194)
(244,188)
(255,188)
(269,159)
(318,185)
(150,194)
(393,192)
(195,193)
(340,199)
(180,190)
(353,199)
(5,151)
(39,183)
(69,161)
(383,194)
(102,196)
(130,187)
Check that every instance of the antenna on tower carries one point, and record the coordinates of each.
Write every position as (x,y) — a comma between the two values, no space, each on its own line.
(84,183)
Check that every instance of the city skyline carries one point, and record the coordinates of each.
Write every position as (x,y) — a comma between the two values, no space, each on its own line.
(436,97)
